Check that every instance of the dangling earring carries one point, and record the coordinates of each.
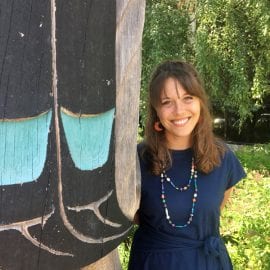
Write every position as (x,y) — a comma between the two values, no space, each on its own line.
(158,127)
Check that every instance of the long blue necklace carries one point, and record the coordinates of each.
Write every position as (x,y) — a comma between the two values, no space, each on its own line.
(193,176)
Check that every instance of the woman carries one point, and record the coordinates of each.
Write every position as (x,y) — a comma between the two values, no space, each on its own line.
(187,176)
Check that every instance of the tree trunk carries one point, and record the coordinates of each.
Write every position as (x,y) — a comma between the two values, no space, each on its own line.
(109,262)
(69,102)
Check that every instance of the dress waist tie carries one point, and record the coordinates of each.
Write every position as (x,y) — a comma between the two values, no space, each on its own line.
(212,246)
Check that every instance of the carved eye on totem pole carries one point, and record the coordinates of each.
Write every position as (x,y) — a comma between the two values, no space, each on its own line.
(68,119)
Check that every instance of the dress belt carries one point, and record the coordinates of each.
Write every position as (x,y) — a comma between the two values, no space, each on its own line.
(149,240)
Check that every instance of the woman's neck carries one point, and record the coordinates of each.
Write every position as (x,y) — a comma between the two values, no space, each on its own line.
(179,144)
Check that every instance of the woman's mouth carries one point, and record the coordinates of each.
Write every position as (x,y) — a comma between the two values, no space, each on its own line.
(181,122)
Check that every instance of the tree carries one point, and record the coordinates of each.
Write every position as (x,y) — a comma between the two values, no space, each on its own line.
(233,54)
(69,76)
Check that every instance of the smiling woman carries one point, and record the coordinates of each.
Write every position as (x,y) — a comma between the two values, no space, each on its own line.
(187,176)
(178,112)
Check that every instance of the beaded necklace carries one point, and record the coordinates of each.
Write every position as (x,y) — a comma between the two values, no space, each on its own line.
(193,176)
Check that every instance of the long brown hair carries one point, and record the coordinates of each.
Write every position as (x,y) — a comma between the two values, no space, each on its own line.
(207,149)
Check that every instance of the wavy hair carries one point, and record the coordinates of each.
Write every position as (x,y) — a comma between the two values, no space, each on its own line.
(207,149)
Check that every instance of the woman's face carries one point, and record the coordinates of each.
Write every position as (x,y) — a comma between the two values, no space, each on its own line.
(179,112)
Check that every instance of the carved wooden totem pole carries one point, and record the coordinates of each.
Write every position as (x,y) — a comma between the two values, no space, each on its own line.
(69,95)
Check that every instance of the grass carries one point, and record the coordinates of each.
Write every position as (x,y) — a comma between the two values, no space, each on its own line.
(245,221)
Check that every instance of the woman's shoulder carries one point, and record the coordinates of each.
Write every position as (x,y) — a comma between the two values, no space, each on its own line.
(228,157)
(224,150)
(229,154)
(233,167)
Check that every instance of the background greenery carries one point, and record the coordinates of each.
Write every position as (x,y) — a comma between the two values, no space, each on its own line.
(227,40)
(245,225)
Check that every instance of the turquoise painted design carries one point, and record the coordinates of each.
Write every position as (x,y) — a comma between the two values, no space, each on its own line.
(23,148)
(88,138)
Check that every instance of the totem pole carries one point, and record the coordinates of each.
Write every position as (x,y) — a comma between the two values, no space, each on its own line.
(69,98)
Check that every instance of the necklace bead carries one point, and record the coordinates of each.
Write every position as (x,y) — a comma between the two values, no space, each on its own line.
(165,179)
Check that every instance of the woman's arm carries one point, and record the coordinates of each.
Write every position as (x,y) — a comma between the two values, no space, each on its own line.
(226,197)
(136,219)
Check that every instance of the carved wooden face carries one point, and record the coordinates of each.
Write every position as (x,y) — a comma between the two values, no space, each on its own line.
(58,203)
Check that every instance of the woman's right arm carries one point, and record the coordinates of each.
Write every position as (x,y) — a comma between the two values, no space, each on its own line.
(136,219)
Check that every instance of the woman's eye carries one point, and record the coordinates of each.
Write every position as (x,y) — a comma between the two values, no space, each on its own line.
(166,102)
(188,98)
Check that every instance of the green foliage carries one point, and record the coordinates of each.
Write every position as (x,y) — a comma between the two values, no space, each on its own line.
(245,220)
(229,42)
(233,53)
(124,249)
(245,223)
(256,158)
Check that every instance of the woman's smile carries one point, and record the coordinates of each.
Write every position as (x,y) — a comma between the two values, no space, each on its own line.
(180,122)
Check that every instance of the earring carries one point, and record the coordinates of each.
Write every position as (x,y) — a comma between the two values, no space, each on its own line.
(158,127)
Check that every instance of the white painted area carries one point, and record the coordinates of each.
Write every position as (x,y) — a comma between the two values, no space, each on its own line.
(94,206)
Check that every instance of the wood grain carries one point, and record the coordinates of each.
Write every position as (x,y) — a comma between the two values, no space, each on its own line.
(129,27)
(130,21)
(109,262)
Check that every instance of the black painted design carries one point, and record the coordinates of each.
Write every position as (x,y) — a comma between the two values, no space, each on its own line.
(31,214)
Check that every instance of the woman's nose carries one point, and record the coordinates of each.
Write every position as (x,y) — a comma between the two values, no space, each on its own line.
(179,107)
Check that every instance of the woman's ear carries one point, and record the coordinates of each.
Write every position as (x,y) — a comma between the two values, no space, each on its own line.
(158,126)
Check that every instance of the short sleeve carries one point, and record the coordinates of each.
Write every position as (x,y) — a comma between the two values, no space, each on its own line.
(235,169)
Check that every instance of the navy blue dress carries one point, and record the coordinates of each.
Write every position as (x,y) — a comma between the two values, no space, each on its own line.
(158,245)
